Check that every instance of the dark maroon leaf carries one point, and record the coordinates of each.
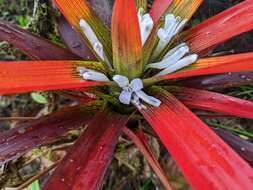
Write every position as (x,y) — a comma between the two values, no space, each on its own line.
(33,45)
(74,40)
(103,8)
(242,147)
(29,135)
(86,162)
(212,101)
(218,82)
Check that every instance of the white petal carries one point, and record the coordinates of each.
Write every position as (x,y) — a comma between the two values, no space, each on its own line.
(172,59)
(122,81)
(95,76)
(148,99)
(98,48)
(146,26)
(163,35)
(89,33)
(180,26)
(136,84)
(125,97)
(188,60)
(170,20)
(173,50)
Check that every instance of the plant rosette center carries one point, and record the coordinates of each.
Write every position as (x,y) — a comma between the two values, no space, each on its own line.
(163,60)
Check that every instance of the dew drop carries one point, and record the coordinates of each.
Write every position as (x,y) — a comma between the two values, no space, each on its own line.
(243,77)
(76,45)
(21,131)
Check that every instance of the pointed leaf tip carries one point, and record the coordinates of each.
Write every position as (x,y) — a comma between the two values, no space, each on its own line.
(126,39)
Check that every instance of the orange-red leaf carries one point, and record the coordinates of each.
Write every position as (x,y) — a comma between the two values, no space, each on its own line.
(27,76)
(86,163)
(184,8)
(126,39)
(221,27)
(215,65)
(206,161)
(211,101)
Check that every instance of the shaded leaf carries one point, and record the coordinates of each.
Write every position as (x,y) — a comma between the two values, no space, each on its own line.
(86,162)
(76,10)
(242,147)
(32,45)
(218,82)
(74,40)
(205,160)
(103,9)
(29,135)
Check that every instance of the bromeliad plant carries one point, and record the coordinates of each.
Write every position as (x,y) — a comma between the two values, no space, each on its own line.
(142,50)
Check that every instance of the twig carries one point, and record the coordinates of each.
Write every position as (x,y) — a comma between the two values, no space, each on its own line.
(16,118)
(32,179)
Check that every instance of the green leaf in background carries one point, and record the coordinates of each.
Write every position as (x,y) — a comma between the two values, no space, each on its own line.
(34,186)
(39,98)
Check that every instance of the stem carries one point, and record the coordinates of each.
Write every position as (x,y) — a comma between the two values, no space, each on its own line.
(32,179)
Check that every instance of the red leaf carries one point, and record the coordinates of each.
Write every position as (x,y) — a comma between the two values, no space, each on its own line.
(27,76)
(159,7)
(85,164)
(32,45)
(143,146)
(29,135)
(206,161)
(127,48)
(211,101)
(221,27)
(74,40)
(241,146)
(218,82)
